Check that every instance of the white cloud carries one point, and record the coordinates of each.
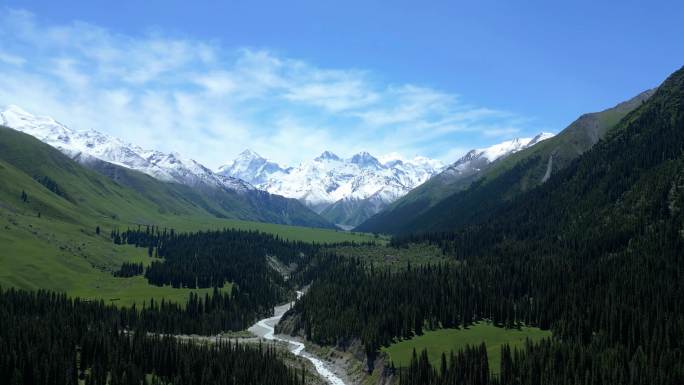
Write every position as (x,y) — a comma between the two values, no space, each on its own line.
(334,96)
(210,102)
(11,59)
(66,69)
(217,82)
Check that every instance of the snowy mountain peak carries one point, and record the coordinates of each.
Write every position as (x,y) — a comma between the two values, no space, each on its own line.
(90,145)
(508,147)
(475,159)
(330,180)
(365,160)
(15,117)
(16,110)
(539,137)
(251,167)
(249,154)
(327,155)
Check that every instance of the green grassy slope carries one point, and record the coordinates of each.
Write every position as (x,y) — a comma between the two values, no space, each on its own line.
(49,241)
(508,177)
(445,340)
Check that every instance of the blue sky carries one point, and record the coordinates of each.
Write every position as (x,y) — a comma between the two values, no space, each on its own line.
(290,79)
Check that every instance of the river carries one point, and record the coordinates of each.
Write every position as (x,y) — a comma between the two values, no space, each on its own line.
(264,328)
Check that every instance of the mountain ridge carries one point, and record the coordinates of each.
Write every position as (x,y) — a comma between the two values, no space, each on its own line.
(477,193)
(86,144)
(348,191)
(173,177)
(330,180)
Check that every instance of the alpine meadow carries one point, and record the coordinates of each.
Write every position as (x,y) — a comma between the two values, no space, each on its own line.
(363,193)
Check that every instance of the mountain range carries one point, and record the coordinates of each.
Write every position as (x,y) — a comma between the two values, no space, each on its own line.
(343,191)
(347,191)
(163,177)
(88,145)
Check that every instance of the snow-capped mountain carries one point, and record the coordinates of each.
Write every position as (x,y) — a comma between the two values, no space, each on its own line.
(328,180)
(88,145)
(251,167)
(345,191)
(476,159)
(455,178)
(348,191)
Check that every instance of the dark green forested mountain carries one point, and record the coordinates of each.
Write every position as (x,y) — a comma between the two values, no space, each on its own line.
(116,191)
(476,193)
(595,254)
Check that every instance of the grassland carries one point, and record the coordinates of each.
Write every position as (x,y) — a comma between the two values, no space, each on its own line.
(445,340)
(294,233)
(49,240)
(48,253)
(42,253)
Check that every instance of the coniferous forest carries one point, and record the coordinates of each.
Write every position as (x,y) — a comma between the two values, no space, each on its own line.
(103,344)
(48,338)
(595,255)
(211,259)
(214,258)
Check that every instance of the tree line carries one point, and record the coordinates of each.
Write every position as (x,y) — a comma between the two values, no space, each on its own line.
(469,365)
(129,269)
(48,338)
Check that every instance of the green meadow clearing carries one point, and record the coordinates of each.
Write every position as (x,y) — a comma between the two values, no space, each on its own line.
(445,340)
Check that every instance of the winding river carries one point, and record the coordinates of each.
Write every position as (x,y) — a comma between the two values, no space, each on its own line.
(264,328)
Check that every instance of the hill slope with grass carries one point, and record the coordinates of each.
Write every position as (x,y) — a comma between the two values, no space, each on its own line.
(51,206)
(172,198)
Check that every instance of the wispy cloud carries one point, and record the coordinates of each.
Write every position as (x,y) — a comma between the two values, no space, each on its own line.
(209,101)
(11,59)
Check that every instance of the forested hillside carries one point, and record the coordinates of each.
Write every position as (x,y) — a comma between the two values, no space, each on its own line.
(213,259)
(471,197)
(594,254)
